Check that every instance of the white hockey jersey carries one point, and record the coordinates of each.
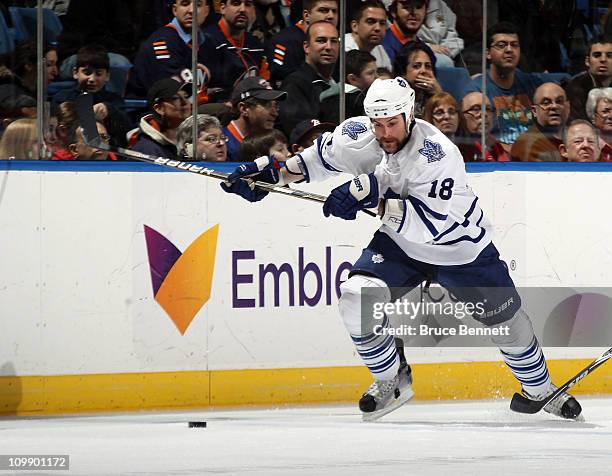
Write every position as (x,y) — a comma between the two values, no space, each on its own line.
(442,221)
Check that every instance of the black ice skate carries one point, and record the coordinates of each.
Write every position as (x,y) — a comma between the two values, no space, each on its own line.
(564,406)
(384,396)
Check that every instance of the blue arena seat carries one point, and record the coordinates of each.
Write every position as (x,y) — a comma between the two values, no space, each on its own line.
(6,39)
(24,21)
(453,80)
(554,77)
(57,86)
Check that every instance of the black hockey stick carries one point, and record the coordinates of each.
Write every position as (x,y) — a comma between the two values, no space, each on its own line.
(87,119)
(523,404)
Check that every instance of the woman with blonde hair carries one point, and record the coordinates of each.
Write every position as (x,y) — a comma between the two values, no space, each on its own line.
(19,141)
(442,111)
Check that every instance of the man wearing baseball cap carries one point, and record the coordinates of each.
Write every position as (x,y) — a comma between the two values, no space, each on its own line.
(255,106)
(169,102)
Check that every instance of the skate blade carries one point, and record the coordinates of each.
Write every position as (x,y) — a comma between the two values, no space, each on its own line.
(579,418)
(373,416)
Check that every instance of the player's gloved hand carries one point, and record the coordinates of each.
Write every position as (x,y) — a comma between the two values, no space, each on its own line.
(347,199)
(263,169)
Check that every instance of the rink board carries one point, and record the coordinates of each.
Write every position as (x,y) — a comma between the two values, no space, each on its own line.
(81,330)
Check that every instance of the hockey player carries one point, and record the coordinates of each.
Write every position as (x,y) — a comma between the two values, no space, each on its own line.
(432,228)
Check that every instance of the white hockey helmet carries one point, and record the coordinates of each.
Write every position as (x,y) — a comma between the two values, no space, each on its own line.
(388,98)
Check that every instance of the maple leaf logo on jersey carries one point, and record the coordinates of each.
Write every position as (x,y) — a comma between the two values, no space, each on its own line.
(378,258)
(432,150)
(353,129)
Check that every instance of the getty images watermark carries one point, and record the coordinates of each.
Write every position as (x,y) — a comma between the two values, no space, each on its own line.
(470,317)
(407,309)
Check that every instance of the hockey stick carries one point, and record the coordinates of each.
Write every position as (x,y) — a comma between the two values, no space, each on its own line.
(523,404)
(84,110)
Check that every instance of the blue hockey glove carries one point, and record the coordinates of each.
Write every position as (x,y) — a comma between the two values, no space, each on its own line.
(263,169)
(347,199)
(246,190)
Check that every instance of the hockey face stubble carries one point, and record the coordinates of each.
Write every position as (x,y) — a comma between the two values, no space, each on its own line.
(391,133)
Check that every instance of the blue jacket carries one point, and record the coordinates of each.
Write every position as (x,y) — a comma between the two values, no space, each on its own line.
(150,140)
(285,52)
(228,62)
(165,53)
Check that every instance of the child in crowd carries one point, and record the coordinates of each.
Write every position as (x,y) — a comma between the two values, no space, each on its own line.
(272,142)
(92,73)
(305,133)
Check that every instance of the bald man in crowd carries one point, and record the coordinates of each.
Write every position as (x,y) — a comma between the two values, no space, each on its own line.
(540,143)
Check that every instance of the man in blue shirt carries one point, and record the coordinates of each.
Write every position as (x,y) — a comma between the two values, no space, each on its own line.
(509,90)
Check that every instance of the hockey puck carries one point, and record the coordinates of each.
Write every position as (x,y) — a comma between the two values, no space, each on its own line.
(197,424)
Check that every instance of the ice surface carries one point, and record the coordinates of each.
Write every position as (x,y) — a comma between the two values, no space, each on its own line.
(475,438)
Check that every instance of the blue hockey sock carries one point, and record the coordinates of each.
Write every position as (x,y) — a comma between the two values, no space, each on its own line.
(378,352)
(529,367)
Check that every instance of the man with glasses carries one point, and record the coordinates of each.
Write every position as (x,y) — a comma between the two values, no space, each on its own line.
(540,143)
(74,146)
(469,139)
(81,151)
(598,75)
(255,105)
(509,90)
(169,101)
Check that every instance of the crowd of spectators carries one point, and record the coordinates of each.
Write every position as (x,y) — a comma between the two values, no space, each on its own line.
(268,76)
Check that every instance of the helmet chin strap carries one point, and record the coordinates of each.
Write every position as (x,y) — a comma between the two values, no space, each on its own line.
(409,135)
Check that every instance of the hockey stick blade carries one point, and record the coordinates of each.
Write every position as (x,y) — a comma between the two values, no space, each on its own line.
(84,110)
(522,404)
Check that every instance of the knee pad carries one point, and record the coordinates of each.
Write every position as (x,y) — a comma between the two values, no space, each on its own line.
(350,302)
(520,331)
